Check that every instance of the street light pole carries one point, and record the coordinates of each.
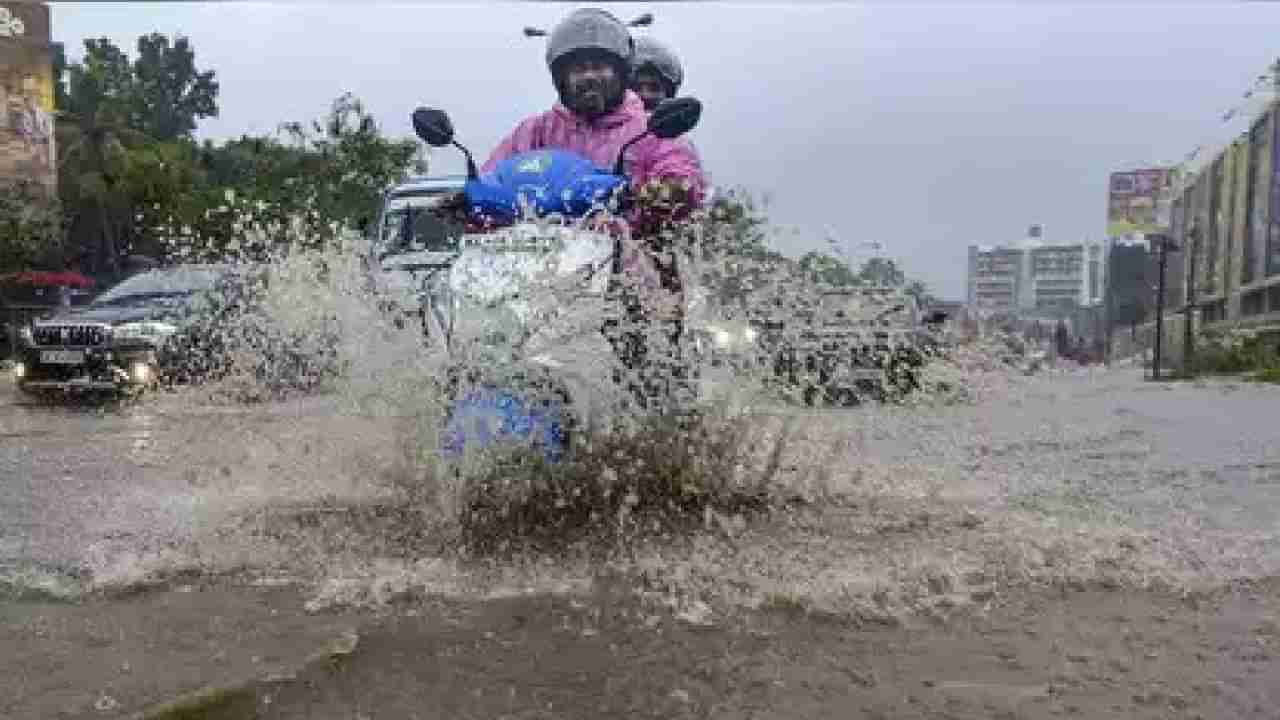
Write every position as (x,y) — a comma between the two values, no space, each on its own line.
(1166,245)
(1188,338)
(1109,305)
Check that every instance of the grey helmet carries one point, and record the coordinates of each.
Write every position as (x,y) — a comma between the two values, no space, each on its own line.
(591,29)
(653,54)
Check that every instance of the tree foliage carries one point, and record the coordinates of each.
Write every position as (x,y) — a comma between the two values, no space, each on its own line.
(113,117)
(30,228)
(132,178)
(826,269)
(168,92)
(301,188)
(735,253)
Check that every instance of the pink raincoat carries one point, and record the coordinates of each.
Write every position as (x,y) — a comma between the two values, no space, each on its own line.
(647,160)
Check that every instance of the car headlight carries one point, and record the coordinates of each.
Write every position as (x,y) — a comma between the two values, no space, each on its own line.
(25,336)
(728,339)
(143,331)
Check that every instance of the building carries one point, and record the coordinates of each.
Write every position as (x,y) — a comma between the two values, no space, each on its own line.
(1227,219)
(1036,277)
(27,151)
(1057,277)
(995,278)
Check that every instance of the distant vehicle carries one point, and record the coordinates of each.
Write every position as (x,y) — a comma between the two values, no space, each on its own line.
(851,344)
(157,327)
(411,242)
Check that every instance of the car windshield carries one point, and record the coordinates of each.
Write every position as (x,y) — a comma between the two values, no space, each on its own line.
(174,283)
(408,226)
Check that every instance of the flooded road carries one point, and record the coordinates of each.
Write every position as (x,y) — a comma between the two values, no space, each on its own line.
(954,514)
(88,491)
(106,494)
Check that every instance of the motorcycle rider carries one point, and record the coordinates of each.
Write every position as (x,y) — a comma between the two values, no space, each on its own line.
(589,55)
(656,73)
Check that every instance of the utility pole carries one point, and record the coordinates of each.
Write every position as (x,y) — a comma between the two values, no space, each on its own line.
(1166,245)
(1109,301)
(1188,337)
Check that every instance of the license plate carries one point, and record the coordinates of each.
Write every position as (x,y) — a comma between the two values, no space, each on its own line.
(62,357)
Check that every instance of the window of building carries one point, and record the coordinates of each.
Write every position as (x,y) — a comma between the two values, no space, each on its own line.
(1253,303)
(1213,229)
(1252,221)
(1271,197)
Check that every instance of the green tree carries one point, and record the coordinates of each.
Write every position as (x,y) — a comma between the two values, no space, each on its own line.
(882,272)
(163,180)
(919,291)
(737,260)
(125,150)
(169,94)
(352,161)
(306,186)
(93,140)
(31,234)
(827,270)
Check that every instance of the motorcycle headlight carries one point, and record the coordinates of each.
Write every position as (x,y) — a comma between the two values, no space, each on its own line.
(143,331)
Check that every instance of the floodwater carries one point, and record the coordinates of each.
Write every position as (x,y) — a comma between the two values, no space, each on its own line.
(1190,472)
(952,514)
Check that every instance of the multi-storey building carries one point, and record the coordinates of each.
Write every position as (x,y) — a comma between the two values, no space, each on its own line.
(1035,276)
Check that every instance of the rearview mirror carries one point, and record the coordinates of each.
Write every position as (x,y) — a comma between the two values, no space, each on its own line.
(433,126)
(671,119)
(675,117)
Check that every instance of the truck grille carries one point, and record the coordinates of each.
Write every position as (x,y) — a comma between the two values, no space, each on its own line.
(78,335)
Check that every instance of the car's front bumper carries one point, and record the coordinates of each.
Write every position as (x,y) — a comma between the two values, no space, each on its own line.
(52,369)
(80,384)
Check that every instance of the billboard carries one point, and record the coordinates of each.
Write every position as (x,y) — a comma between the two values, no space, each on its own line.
(1138,201)
(27,149)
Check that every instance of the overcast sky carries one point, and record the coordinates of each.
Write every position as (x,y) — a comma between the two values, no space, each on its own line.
(926,127)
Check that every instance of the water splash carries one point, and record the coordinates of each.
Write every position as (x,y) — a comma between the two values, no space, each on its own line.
(977,485)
